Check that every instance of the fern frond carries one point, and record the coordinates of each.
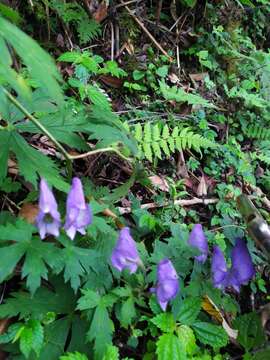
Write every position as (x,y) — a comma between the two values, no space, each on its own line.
(257,131)
(88,30)
(155,140)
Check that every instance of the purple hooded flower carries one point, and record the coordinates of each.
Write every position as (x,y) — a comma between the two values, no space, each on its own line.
(78,212)
(219,268)
(241,271)
(125,254)
(48,218)
(167,283)
(198,240)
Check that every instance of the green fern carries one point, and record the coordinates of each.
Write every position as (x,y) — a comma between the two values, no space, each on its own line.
(73,13)
(257,131)
(157,141)
(179,95)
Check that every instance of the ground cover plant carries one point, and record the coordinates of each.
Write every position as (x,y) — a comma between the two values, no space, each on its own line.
(134,180)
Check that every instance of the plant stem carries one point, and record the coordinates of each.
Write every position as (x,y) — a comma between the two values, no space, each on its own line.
(69,158)
(98,151)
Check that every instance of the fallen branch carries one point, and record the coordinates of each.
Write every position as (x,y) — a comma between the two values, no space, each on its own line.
(151,37)
(189,202)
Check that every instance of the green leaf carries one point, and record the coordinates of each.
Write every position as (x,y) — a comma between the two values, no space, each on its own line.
(187,338)
(112,353)
(73,356)
(56,335)
(77,262)
(262,355)
(41,303)
(169,347)
(31,337)
(164,322)
(189,310)
(101,330)
(210,334)
(127,312)
(250,329)
(38,61)
(89,300)
(31,162)
(10,14)
(178,94)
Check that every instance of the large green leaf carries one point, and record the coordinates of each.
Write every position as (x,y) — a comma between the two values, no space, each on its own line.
(31,162)
(189,310)
(250,329)
(170,347)
(210,334)
(39,63)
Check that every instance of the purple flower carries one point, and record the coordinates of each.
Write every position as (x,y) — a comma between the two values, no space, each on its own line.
(198,240)
(219,268)
(78,212)
(167,283)
(125,254)
(48,218)
(241,271)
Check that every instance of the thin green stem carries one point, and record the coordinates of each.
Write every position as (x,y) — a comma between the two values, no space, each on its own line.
(98,151)
(69,158)
(38,124)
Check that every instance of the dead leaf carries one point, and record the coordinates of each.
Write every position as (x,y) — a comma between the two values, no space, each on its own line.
(101,13)
(111,81)
(159,182)
(199,76)
(29,212)
(202,187)
(210,307)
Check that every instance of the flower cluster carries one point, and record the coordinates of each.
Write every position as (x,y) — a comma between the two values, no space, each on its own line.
(78,212)
(125,256)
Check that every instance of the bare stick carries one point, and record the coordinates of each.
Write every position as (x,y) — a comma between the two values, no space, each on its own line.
(189,202)
(151,37)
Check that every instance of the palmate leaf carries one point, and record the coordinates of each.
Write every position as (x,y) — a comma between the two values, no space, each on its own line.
(101,330)
(102,327)
(31,162)
(73,356)
(23,304)
(39,63)
(76,262)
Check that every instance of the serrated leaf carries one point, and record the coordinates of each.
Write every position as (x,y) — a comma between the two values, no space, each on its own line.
(154,306)
(156,149)
(42,302)
(112,353)
(89,300)
(31,162)
(187,338)
(73,356)
(189,310)
(165,132)
(31,337)
(169,347)
(147,151)
(164,322)
(164,147)
(100,331)
(210,334)
(38,61)
(156,132)
(250,333)
(147,133)
(127,312)
(171,143)
(76,263)
(138,134)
